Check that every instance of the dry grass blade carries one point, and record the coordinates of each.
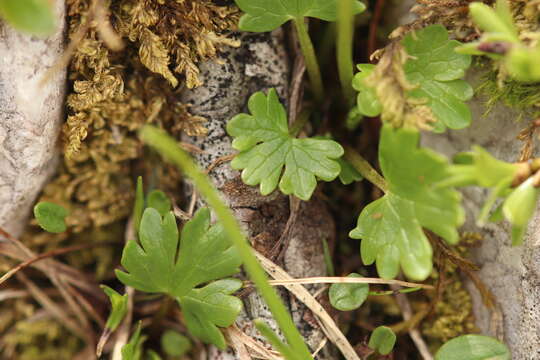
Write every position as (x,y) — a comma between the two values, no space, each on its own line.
(55,310)
(349,280)
(329,326)
(48,254)
(256,349)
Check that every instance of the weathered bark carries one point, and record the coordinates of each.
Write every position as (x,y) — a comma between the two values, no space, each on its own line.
(512,273)
(259,64)
(30,118)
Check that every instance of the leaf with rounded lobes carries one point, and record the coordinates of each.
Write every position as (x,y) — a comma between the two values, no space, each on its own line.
(519,207)
(50,216)
(391,227)
(348,173)
(347,297)
(367,100)
(267,15)
(266,148)
(207,308)
(437,70)
(35,17)
(473,347)
(382,340)
(392,236)
(205,254)
(413,173)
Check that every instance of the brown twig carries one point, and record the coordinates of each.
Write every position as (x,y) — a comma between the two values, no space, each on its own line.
(48,254)
(415,335)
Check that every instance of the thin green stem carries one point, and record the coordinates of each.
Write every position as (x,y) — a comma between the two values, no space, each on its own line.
(312,66)
(365,169)
(344,48)
(169,149)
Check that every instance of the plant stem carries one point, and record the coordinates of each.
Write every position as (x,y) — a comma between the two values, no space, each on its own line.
(312,66)
(344,48)
(169,149)
(365,169)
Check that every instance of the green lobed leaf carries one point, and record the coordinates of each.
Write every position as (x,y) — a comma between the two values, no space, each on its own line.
(267,15)
(266,148)
(348,173)
(391,227)
(205,254)
(473,347)
(207,308)
(382,340)
(118,307)
(347,297)
(158,200)
(175,344)
(35,17)
(50,216)
(436,69)
(367,102)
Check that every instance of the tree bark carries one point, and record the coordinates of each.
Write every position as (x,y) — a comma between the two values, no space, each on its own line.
(31,114)
(259,64)
(512,273)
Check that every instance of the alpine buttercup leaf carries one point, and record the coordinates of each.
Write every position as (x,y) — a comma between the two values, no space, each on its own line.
(211,306)
(205,254)
(267,15)
(437,70)
(391,227)
(266,147)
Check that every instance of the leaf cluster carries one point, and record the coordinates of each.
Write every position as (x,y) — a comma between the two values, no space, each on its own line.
(434,70)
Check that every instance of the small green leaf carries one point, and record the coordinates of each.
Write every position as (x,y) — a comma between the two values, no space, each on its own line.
(266,148)
(367,101)
(391,227)
(133,349)
(205,254)
(209,307)
(35,17)
(519,207)
(119,307)
(175,344)
(267,15)
(437,70)
(473,347)
(382,340)
(50,216)
(159,201)
(347,297)
(348,173)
